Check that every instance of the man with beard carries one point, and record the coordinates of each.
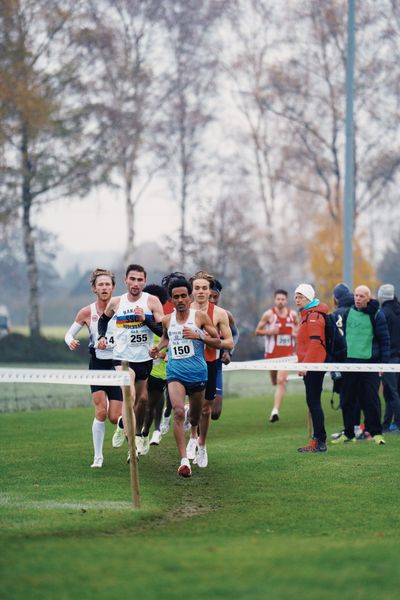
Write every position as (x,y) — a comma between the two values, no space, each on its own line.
(136,314)
(184,332)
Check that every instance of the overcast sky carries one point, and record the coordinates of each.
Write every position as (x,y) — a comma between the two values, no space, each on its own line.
(97,223)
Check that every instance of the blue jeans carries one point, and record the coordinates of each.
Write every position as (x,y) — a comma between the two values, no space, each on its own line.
(391,384)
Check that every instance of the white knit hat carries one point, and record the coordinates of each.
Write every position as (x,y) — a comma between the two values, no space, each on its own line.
(386,292)
(307,290)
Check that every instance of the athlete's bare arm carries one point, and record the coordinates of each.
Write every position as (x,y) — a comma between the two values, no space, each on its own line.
(156,308)
(112,306)
(227,354)
(81,319)
(203,322)
(221,320)
(266,324)
(164,340)
(109,311)
(295,317)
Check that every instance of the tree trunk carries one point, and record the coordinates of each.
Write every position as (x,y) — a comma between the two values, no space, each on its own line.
(183,225)
(29,241)
(130,223)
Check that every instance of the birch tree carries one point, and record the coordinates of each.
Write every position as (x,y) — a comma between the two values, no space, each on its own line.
(48,141)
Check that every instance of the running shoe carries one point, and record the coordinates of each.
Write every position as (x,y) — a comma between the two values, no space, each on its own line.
(343,439)
(364,436)
(274,416)
(165,425)
(201,457)
(378,439)
(145,445)
(155,438)
(191,448)
(118,438)
(128,458)
(313,446)
(139,444)
(97,462)
(184,468)
(391,429)
(337,435)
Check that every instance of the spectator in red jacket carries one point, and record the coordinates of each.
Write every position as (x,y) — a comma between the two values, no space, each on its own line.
(311,349)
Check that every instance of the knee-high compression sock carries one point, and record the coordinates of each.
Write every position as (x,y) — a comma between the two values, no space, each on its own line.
(98,431)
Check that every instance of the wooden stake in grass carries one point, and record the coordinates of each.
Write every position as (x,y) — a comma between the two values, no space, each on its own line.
(131,431)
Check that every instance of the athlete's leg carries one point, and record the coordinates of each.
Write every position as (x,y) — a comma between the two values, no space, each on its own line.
(208,401)
(132,378)
(158,410)
(98,426)
(114,410)
(141,403)
(155,397)
(275,411)
(281,382)
(217,405)
(177,395)
(205,421)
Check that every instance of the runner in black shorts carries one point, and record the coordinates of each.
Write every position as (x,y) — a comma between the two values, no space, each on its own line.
(107,399)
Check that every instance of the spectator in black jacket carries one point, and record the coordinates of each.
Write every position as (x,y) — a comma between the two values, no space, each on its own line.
(390,306)
(368,341)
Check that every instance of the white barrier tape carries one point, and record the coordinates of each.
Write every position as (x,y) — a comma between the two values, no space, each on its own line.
(290,365)
(82,377)
(66,376)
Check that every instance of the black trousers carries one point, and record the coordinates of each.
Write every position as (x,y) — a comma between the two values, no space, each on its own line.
(313,384)
(365,388)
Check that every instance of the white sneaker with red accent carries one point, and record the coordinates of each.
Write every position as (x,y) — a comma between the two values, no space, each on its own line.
(184,468)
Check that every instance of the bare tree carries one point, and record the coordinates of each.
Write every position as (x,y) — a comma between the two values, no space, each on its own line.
(192,64)
(253,26)
(308,94)
(122,41)
(48,142)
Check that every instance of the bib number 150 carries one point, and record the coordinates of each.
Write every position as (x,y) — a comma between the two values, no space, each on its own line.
(182,350)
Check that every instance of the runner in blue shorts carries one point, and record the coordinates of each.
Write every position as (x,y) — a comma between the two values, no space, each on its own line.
(184,333)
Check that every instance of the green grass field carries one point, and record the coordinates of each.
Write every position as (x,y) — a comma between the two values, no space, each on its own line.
(262,521)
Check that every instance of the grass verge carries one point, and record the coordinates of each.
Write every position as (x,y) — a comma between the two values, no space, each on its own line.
(261,521)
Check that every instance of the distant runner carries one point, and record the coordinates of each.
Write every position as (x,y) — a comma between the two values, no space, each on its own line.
(279,325)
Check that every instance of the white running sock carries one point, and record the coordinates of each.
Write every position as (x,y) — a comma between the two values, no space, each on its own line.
(98,431)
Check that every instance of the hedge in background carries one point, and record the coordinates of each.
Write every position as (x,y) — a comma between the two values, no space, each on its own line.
(16,348)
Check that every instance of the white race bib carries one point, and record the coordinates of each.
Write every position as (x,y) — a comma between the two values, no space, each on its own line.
(284,340)
(138,339)
(182,349)
(110,341)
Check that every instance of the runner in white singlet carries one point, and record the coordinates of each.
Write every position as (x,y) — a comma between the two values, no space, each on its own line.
(103,284)
(137,314)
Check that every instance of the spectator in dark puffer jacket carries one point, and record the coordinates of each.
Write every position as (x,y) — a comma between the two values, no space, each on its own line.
(368,341)
(390,307)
